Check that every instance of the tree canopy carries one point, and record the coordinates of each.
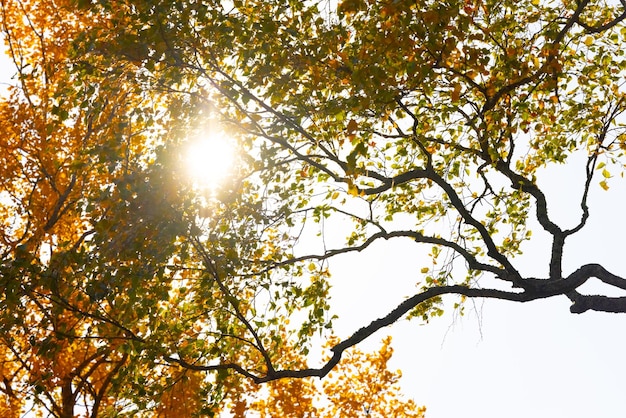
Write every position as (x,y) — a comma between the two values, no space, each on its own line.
(129,285)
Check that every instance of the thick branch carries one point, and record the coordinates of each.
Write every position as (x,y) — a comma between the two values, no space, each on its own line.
(583,303)
(549,289)
(537,289)
(391,318)
(598,303)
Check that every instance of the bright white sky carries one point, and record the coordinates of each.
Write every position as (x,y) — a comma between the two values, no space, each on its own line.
(505,360)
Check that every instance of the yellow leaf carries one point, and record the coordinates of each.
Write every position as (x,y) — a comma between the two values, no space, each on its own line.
(604,185)
(606,174)
(424,269)
(353,190)
(589,40)
(535,61)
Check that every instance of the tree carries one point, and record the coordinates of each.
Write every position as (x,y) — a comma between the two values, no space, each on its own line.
(426,122)
(97,227)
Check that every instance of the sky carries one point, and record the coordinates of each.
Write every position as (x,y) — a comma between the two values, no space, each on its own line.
(502,359)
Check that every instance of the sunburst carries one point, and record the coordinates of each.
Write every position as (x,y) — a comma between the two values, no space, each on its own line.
(209,159)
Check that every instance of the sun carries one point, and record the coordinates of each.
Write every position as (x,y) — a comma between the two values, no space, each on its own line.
(209,159)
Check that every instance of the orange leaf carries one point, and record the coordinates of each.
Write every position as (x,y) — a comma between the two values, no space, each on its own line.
(352,127)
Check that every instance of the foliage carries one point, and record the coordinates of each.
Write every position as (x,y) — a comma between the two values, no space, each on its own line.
(128,288)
